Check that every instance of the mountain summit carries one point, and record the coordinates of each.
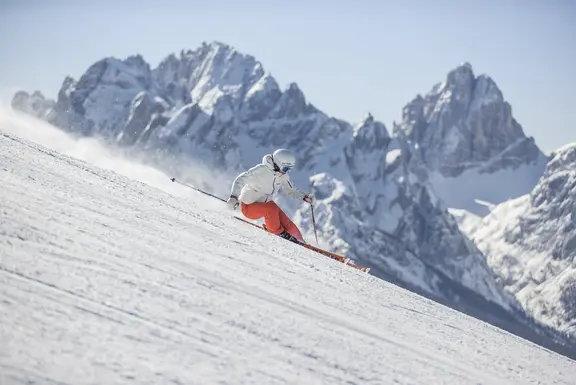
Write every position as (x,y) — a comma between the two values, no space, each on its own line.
(463,134)
(465,123)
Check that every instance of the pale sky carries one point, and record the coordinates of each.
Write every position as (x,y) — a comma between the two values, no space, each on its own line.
(348,57)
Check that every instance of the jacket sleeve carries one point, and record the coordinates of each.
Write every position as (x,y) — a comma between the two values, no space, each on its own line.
(292,190)
(249,176)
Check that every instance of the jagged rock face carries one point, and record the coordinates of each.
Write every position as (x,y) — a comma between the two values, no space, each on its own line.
(463,123)
(530,243)
(205,74)
(220,108)
(104,94)
(418,244)
(370,140)
(144,110)
(462,139)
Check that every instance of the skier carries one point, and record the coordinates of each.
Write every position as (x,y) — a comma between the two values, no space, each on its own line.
(253,191)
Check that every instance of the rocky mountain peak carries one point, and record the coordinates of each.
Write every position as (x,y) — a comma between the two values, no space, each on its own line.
(367,120)
(204,75)
(365,156)
(556,190)
(465,123)
(292,103)
(563,158)
(461,77)
(370,134)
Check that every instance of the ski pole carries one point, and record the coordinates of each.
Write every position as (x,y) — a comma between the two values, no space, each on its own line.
(314,223)
(197,189)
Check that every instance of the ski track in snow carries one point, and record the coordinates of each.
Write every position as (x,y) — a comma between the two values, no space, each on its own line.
(106,280)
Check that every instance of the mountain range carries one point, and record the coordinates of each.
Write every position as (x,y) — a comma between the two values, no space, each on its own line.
(454,202)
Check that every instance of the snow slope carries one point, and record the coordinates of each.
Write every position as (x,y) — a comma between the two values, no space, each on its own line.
(104,279)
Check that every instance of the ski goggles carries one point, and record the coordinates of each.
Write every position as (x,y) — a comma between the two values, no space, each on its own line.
(283,169)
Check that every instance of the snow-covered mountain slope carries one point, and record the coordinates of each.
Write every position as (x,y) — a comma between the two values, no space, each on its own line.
(530,242)
(104,279)
(220,108)
(463,134)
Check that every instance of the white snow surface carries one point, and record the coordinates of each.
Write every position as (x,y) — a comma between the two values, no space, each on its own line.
(105,279)
(475,191)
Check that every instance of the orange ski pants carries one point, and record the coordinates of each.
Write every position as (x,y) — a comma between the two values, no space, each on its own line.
(275,219)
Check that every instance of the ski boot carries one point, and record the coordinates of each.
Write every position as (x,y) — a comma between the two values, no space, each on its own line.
(286,235)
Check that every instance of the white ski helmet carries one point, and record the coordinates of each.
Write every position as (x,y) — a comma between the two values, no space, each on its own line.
(283,160)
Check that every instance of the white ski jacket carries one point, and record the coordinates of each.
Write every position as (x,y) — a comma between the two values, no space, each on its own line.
(261,182)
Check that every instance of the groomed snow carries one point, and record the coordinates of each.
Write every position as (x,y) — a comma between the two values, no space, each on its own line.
(104,279)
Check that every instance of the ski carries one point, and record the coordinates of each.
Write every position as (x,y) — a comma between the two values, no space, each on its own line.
(326,253)
(362,268)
